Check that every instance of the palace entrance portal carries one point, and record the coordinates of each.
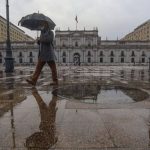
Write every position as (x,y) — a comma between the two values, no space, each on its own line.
(76,59)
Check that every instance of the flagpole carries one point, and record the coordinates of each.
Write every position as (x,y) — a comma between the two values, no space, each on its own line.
(76,19)
(76,25)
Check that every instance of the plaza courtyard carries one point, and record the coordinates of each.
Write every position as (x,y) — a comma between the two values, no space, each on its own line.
(94,107)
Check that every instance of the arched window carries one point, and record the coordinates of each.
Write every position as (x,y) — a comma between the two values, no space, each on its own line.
(76,59)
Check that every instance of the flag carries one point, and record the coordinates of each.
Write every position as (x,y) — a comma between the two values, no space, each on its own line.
(76,19)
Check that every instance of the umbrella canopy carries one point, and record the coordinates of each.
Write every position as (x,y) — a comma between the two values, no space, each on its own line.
(35,21)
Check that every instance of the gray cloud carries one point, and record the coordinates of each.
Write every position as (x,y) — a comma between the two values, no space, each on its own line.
(112,17)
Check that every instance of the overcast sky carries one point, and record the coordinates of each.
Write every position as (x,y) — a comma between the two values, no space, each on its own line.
(114,18)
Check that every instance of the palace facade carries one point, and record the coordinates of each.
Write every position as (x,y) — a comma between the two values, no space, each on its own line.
(83,47)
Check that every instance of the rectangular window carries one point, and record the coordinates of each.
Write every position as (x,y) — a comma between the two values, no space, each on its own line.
(143,60)
(31,60)
(132,60)
(64,60)
(122,60)
(111,59)
(89,60)
(20,60)
(0,60)
(101,60)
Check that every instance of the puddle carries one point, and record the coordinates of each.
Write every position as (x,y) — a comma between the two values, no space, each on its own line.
(102,94)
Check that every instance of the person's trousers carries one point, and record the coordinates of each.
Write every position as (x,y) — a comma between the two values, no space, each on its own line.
(39,67)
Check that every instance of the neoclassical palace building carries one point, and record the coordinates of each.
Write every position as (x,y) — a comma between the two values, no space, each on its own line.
(83,47)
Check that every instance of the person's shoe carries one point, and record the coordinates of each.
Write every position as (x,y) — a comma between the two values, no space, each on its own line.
(30,81)
(55,92)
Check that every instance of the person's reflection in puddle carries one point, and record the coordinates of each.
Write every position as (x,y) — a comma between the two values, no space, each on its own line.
(45,138)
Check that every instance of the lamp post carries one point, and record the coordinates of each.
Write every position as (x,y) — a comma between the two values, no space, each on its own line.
(149,63)
(9,61)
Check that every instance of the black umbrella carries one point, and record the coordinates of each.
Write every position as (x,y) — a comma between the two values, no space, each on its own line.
(35,21)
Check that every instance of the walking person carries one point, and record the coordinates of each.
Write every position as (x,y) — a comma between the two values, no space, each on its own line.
(46,55)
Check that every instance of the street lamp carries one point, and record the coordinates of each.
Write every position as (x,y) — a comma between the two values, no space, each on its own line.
(9,61)
(149,63)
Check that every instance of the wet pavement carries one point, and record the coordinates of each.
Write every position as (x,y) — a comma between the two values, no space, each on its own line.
(94,107)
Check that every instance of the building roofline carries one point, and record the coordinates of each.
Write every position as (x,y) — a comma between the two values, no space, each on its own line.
(57,30)
(17,28)
(3,42)
(129,41)
(148,21)
(12,24)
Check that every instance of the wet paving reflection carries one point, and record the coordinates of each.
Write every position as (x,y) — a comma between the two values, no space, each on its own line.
(22,115)
(95,93)
(75,73)
(93,107)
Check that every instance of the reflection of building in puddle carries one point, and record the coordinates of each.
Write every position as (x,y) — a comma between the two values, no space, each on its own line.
(46,137)
(14,95)
(10,95)
(149,75)
(11,129)
(142,74)
(1,74)
(148,125)
(79,92)
(10,92)
(13,126)
(102,94)
(21,72)
(31,72)
(132,74)
(7,101)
